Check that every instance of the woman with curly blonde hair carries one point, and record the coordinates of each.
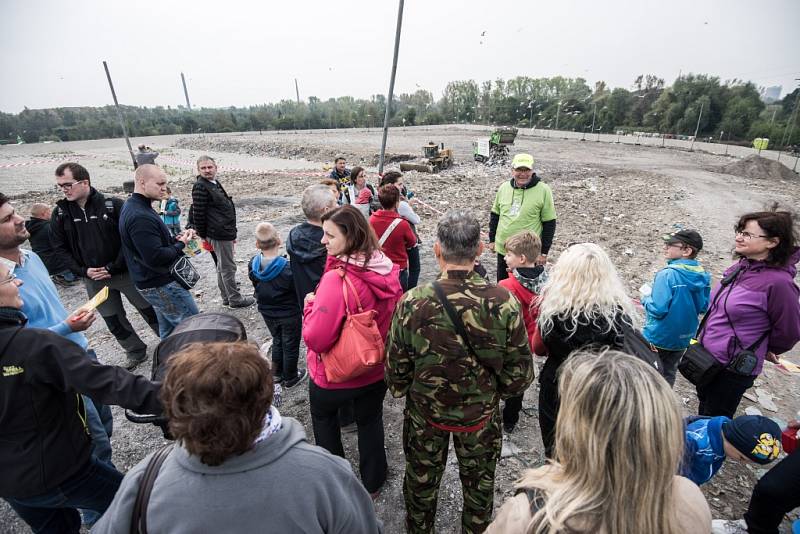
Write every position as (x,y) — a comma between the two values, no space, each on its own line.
(583,305)
(619,440)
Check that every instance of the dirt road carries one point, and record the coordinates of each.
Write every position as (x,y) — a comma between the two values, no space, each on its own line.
(623,197)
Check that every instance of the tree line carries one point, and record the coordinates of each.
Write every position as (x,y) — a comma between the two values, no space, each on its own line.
(732,110)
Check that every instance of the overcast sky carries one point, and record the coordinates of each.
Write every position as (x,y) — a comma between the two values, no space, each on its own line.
(237,52)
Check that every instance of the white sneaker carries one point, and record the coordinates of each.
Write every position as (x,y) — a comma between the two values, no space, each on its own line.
(727,526)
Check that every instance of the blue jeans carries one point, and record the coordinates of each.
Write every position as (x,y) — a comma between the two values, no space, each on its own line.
(92,488)
(172,305)
(101,425)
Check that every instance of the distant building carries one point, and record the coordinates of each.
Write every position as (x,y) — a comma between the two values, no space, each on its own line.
(772,94)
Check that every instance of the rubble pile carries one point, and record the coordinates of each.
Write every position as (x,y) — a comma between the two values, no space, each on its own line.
(758,168)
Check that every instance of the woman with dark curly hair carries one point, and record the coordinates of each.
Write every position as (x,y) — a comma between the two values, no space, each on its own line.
(238,465)
(755,308)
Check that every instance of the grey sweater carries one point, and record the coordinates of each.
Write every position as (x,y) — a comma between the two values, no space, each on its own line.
(283,485)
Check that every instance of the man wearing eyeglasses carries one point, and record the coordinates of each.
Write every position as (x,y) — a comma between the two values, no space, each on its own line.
(84,232)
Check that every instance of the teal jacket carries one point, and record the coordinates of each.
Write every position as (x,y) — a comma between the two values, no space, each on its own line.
(680,294)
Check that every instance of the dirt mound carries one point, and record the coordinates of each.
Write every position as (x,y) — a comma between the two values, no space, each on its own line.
(756,167)
(289,149)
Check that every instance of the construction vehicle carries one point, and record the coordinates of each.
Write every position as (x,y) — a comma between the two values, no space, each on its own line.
(494,151)
(436,157)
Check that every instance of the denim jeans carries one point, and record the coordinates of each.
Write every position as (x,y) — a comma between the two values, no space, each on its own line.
(172,304)
(92,488)
(101,425)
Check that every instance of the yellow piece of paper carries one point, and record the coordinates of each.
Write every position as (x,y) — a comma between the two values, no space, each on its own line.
(94,302)
(789,366)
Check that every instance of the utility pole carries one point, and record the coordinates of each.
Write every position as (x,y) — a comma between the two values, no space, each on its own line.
(697,128)
(297,91)
(391,85)
(119,115)
(186,92)
(558,111)
(792,120)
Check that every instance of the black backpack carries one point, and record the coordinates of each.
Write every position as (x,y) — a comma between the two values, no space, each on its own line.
(634,343)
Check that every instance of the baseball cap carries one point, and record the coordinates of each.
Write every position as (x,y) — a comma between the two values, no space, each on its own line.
(687,237)
(755,436)
(522,160)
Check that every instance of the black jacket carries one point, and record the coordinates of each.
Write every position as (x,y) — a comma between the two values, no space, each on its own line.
(88,237)
(41,245)
(213,213)
(44,439)
(560,343)
(148,246)
(275,293)
(307,254)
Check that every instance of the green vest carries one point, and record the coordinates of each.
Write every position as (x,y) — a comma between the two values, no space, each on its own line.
(521,209)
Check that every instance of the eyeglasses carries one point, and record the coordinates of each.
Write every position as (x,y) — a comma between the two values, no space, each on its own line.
(748,236)
(68,186)
(8,279)
(678,245)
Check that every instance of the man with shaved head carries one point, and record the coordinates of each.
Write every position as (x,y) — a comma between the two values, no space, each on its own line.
(150,250)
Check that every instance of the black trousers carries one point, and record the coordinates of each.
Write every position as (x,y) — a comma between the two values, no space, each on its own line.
(414,267)
(776,494)
(368,403)
(511,409)
(549,404)
(285,332)
(722,395)
(502,268)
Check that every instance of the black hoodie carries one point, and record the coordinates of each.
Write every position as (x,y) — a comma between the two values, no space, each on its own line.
(307,254)
(40,243)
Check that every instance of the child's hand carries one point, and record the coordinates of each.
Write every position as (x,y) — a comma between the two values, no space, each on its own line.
(309,298)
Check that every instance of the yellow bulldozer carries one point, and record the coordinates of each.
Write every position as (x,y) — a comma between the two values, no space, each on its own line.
(436,157)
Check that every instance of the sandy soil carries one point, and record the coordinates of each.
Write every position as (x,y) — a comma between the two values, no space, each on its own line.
(621,196)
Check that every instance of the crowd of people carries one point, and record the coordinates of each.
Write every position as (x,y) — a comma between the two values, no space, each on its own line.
(460,350)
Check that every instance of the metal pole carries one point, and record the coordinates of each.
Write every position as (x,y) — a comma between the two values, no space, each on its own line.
(558,112)
(119,115)
(594,114)
(185,92)
(391,85)
(792,120)
(697,128)
(297,91)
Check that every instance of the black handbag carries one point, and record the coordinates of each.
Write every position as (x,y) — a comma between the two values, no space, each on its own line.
(184,273)
(700,367)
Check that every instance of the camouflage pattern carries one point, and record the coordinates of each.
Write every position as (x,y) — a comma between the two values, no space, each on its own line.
(429,363)
(427,360)
(425,450)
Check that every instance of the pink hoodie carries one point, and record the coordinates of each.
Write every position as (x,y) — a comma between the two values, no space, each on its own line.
(378,287)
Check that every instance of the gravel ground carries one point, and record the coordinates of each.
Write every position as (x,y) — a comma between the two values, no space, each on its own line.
(621,196)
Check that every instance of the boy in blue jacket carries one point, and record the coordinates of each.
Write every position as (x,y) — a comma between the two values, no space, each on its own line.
(679,294)
(271,274)
(709,440)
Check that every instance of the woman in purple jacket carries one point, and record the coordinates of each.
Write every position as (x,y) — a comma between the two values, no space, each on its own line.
(757,310)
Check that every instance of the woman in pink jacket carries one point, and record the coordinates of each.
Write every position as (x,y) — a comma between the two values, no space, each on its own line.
(352,247)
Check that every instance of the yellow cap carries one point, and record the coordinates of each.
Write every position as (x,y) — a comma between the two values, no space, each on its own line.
(522,160)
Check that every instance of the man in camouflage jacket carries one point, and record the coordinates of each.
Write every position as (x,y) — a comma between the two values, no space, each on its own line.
(453,386)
